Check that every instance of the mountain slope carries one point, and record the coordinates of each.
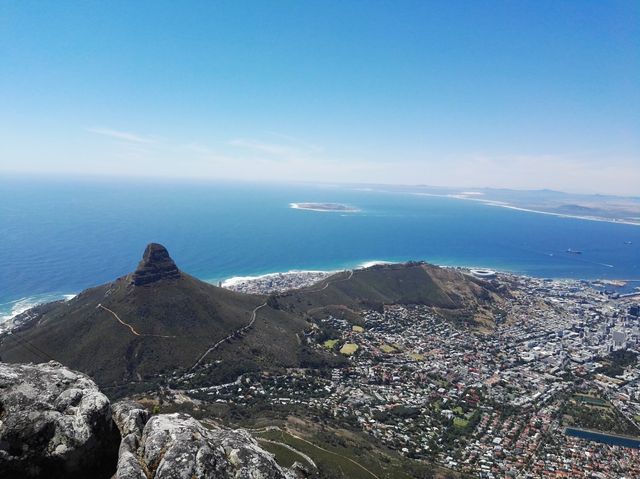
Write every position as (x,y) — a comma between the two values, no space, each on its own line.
(156,320)
(448,291)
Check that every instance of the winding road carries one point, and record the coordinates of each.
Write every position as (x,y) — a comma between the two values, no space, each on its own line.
(230,336)
(291,448)
(331,452)
(237,331)
(286,430)
(326,285)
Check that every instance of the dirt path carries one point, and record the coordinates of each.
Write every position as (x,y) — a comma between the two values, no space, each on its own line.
(133,330)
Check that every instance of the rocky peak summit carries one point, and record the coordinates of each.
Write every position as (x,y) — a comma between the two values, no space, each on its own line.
(156,264)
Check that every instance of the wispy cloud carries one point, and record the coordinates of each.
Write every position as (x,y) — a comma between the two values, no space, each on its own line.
(294,140)
(196,147)
(121,135)
(266,148)
(289,149)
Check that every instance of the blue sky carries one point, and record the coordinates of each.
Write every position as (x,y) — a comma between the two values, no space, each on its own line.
(538,94)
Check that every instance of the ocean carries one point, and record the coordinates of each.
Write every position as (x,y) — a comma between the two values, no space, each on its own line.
(60,236)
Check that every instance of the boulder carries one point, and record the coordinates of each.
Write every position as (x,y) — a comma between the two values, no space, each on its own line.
(54,423)
(177,446)
(130,417)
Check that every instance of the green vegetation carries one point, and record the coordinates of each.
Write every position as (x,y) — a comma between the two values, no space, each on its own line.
(330,343)
(616,362)
(451,292)
(386,348)
(590,412)
(340,454)
(328,462)
(162,327)
(416,356)
(460,422)
(357,329)
(595,401)
(392,416)
(348,349)
(284,456)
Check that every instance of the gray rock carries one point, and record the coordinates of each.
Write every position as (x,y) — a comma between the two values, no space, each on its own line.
(130,417)
(129,465)
(301,470)
(54,422)
(247,459)
(176,446)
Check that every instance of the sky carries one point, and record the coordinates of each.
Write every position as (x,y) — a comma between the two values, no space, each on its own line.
(515,94)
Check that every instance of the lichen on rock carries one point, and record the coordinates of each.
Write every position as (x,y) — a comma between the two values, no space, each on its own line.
(177,446)
(54,422)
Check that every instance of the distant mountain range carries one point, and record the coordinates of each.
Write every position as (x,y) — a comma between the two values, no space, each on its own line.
(612,208)
(159,322)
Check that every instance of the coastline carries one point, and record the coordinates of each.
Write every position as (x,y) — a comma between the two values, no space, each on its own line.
(11,309)
(14,307)
(292,278)
(234,280)
(503,204)
(286,280)
(230,281)
(564,215)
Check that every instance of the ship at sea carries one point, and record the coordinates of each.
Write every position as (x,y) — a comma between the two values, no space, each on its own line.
(573,251)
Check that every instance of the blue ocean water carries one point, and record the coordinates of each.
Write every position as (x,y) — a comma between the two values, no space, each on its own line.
(61,236)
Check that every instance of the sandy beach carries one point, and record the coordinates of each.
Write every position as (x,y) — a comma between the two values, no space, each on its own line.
(473,196)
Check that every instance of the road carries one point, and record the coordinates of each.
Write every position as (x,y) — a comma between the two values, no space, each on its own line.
(331,452)
(253,319)
(288,431)
(237,331)
(329,283)
(292,449)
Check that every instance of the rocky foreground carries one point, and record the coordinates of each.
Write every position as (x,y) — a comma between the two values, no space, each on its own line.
(55,423)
